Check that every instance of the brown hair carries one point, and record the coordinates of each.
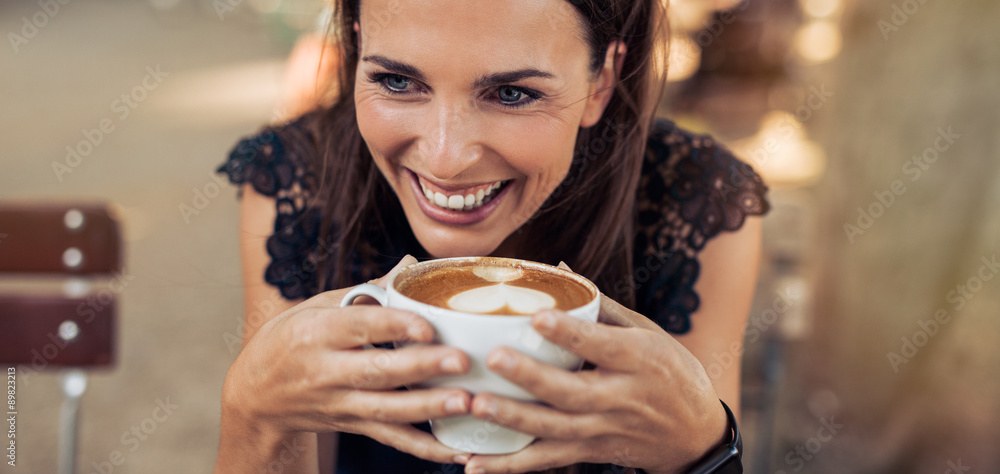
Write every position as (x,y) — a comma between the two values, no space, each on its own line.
(586,222)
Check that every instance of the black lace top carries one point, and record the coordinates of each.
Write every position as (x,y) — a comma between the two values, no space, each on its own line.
(691,189)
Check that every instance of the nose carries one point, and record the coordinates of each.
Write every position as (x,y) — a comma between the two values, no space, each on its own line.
(449,142)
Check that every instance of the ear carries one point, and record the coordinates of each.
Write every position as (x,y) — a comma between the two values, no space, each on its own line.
(603,86)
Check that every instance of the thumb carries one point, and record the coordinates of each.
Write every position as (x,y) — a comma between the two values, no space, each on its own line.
(403,263)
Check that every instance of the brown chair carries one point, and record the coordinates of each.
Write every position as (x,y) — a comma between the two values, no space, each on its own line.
(58,298)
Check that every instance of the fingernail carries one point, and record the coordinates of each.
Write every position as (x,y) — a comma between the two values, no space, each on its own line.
(500,360)
(461,459)
(492,408)
(451,365)
(545,320)
(456,404)
(415,333)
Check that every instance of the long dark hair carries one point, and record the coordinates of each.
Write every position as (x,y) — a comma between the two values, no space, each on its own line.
(586,222)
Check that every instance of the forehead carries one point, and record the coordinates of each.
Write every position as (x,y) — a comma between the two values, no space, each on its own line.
(546,33)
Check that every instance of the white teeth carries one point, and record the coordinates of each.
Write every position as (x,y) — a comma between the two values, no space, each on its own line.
(458,202)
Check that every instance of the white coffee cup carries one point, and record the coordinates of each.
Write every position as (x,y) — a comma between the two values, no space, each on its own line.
(477,335)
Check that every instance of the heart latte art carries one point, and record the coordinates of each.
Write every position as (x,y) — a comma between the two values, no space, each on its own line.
(497,297)
(495,289)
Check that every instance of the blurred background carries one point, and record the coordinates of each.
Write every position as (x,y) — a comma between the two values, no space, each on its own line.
(872,344)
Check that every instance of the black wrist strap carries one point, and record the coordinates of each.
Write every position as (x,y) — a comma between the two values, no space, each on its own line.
(725,459)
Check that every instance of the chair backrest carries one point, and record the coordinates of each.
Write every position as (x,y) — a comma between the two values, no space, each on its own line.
(74,327)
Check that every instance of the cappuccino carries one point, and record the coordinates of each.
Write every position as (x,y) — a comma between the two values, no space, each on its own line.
(475,289)
(494,286)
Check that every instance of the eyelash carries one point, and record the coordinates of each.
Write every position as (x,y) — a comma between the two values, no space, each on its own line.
(532,95)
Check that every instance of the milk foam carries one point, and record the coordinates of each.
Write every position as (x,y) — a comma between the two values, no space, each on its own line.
(487,299)
(497,274)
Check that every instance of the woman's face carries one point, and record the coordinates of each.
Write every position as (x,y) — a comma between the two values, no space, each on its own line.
(471,111)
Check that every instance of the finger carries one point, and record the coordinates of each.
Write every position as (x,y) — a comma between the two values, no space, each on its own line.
(383,281)
(338,295)
(617,315)
(606,346)
(415,442)
(409,406)
(377,369)
(539,456)
(355,326)
(536,419)
(571,391)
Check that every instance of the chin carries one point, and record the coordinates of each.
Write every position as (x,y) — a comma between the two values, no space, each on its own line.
(446,243)
(443,234)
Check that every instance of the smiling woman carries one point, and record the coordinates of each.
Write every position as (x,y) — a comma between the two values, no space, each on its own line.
(524,129)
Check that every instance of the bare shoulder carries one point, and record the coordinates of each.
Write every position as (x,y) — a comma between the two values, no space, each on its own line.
(261,300)
(729,267)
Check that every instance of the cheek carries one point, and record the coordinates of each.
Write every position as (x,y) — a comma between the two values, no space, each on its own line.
(379,125)
(539,147)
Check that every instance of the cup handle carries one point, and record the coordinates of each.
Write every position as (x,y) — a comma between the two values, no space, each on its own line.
(367,289)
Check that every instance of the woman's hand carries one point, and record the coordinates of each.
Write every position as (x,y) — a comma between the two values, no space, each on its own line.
(305,371)
(647,404)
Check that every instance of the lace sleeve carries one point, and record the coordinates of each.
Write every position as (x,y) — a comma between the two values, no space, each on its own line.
(273,170)
(691,190)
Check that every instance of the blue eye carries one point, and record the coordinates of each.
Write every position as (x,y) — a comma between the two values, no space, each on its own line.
(515,97)
(395,82)
(509,94)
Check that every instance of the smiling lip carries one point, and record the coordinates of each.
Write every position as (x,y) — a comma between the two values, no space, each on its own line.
(452,217)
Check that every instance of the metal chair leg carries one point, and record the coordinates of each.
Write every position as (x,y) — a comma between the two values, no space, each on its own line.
(74,384)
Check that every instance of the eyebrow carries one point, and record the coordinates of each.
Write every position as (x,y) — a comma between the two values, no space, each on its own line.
(484,81)
(395,67)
